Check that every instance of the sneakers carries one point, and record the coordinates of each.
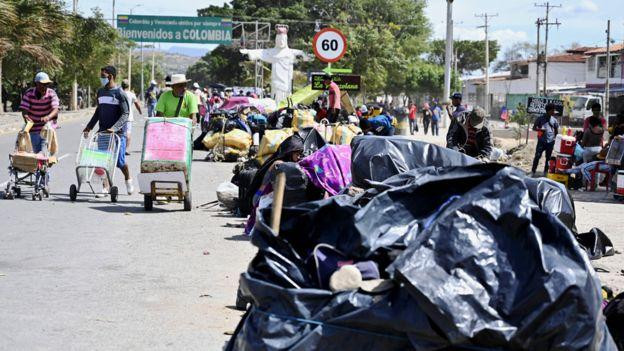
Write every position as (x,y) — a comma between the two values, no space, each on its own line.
(104,193)
(129,186)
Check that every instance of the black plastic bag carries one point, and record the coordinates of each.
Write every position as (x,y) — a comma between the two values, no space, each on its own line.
(475,262)
(596,243)
(377,158)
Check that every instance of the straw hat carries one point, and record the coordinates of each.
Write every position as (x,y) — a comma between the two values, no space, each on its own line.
(178,79)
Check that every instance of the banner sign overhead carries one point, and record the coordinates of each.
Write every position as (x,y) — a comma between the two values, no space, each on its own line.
(175,29)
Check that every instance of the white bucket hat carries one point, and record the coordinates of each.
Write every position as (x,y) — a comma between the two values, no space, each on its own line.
(178,79)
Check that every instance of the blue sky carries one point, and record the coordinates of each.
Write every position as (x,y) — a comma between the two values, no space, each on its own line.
(583,21)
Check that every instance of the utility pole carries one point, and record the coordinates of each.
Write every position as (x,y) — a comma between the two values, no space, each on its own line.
(546,23)
(74,94)
(153,63)
(606,100)
(142,82)
(448,55)
(537,58)
(113,14)
(485,17)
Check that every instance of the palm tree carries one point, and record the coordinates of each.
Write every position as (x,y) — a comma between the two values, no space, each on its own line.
(31,32)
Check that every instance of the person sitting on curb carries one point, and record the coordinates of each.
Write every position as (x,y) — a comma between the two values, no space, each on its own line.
(473,136)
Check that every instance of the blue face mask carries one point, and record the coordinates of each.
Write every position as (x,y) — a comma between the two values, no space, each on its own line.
(104,81)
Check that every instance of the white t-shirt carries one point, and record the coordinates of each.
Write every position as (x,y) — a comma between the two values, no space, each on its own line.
(131,99)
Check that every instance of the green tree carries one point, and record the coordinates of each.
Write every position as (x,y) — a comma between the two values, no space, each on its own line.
(91,45)
(383,37)
(470,53)
(225,65)
(516,52)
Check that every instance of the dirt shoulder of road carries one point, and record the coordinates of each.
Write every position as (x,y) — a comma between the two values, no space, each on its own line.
(11,122)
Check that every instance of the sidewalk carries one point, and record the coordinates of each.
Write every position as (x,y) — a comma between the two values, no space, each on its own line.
(11,122)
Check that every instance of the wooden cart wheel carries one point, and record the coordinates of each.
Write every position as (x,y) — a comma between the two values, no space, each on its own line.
(73,192)
(113,194)
(188,202)
(148,202)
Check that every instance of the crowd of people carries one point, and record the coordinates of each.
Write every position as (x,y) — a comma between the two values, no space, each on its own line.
(468,131)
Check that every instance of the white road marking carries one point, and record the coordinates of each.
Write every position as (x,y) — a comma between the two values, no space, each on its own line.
(62,157)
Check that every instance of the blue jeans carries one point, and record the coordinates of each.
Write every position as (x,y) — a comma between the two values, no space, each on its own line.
(542,147)
(37,141)
(434,128)
(151,109)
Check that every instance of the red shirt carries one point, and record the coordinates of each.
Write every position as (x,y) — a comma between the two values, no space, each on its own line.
(334,96)
(412,112)
(586,125)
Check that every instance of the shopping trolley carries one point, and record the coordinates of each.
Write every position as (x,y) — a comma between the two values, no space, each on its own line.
(97,159)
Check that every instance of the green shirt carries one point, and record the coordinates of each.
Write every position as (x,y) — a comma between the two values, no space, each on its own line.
(167,104)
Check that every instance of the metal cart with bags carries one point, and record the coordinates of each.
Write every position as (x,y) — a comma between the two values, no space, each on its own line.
(28,168)
(96,161)
(166,161)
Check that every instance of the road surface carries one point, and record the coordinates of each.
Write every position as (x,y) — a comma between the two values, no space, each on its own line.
(102,276)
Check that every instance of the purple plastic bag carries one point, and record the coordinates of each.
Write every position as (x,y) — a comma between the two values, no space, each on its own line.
(329,168)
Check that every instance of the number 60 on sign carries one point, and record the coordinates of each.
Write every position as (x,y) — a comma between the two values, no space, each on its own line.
(329,45)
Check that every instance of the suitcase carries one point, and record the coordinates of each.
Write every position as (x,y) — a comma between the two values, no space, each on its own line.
(167,145)
(565,145)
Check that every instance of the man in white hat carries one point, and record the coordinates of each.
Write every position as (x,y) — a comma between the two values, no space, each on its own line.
(178,102)
(39,105)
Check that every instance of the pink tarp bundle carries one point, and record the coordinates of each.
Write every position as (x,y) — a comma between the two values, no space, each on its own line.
(329,168)
(165,141)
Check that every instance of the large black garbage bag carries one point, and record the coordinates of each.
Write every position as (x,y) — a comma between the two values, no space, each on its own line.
(376,158)
(550,196)
(596,243)
(312,140)
(476,265)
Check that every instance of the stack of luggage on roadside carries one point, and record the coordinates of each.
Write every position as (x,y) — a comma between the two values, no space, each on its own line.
(396,244)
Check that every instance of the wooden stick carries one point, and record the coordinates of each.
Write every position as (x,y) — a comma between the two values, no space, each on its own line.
(278,201)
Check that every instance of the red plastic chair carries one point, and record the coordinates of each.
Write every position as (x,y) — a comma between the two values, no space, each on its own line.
(592,182)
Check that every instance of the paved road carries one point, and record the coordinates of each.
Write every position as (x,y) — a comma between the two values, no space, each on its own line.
(95,275)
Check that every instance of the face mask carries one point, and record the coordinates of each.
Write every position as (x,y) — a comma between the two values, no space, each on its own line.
(104,81)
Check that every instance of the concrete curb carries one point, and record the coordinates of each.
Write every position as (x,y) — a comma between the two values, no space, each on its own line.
(64,116)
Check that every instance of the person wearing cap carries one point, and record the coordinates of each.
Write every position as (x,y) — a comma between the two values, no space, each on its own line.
(39,105)
(151,97)
(333,111)
(178,102)
(547,129)
(456,113)
(132,100)
(472,137)
(111,114)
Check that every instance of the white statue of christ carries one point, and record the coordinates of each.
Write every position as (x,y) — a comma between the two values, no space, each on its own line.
(282,58)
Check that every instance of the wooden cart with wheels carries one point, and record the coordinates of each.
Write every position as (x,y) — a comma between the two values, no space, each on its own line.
(166,162)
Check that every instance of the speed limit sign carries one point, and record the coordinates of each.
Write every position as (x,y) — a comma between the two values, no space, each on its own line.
(329,45)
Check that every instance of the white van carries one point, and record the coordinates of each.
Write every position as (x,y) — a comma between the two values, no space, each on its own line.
(581,107)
